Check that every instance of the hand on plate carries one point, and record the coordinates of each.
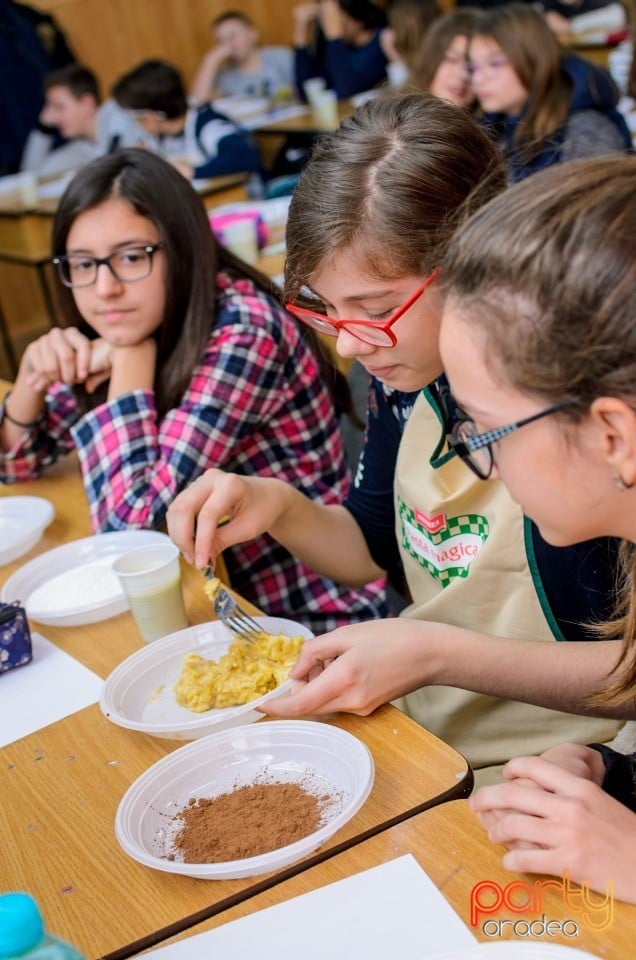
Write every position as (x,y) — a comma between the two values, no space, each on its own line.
(353,669)
(553,820)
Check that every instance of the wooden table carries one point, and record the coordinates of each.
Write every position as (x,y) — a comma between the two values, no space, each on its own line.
(451,846)
(61,786)
(304,123)
(272,134)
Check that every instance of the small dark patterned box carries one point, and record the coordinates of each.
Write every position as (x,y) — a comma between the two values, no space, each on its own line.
(15,637)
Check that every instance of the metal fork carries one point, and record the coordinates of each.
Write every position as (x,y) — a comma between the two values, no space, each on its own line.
(235,618)
(230,613)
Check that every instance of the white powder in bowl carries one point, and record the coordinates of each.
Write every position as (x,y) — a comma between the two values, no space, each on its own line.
(80,586)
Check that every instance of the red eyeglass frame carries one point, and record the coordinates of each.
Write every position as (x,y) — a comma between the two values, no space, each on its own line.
(332,327)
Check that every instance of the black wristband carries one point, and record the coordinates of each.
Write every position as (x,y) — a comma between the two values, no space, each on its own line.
(620,774)
(19,423)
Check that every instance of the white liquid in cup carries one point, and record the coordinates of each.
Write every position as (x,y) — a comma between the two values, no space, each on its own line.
(325,108)
(397,72)
(313,87)
(151,580)
(242,239)
(28,189)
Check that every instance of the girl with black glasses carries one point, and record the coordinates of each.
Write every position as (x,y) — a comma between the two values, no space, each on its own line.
(172,356)
(539,319)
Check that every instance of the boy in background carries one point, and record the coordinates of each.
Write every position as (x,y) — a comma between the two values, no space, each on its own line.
(236,66)
(77,128)
(197,140)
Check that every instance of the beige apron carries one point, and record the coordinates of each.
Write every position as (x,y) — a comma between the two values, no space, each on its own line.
(467,555)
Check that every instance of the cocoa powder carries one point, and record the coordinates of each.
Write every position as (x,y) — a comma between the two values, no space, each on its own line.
(249,821)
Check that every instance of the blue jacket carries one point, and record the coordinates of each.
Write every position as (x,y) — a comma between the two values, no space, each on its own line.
(592,90)
(212,143)
(348,70)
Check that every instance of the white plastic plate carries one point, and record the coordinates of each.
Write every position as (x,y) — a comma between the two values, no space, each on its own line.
(80,555)
(139,693)
(23,520)
(323,758)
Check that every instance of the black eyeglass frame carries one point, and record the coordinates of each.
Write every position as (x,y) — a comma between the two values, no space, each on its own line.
(148,248)
(465,447)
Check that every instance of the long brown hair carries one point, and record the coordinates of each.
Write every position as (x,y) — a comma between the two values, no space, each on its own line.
(461,22)
(158,192)
(411,21)
(395,178)
(535,56)
(547,272)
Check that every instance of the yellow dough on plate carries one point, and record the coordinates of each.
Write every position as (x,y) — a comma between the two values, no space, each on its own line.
(248,670)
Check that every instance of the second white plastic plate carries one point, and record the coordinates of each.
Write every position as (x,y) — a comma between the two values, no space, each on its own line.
(139,693)
(70,566)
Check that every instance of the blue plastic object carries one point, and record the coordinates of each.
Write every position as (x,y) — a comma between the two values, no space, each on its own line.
(22,932)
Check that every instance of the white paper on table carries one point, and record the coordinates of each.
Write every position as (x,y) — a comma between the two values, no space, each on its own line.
(390,910)
(275,115)
(52,686)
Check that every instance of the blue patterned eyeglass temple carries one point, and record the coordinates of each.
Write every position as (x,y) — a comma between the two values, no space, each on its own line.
(465,443)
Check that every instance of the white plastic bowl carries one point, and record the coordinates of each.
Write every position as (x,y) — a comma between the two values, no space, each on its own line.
(78,554)
(139,693)
(23,520)
(298,751)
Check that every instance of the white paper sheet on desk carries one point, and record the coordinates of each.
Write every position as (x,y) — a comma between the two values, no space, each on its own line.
(390,910)
(52,686)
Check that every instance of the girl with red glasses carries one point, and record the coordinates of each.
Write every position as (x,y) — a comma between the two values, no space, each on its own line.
(367,234)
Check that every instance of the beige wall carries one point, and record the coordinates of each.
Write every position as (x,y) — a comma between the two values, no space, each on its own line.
(110,36)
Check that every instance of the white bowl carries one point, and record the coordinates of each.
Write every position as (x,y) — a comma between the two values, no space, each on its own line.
(78,555)
(139,693)
(299,751)
(23,520)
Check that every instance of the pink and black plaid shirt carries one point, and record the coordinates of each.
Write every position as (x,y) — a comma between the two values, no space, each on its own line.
(256,405)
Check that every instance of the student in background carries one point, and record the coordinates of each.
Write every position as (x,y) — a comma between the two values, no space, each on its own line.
(622,66)
(31,45)
(571,19)
(539,342)
(542,106)
(199,141)
(440,66)
(343,41)
(496,613)
(88,130)
(236,66)
(409,22)
(174,355)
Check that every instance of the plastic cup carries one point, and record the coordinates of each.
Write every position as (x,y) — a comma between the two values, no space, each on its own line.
(28,189)
(397,72)
(151,579)
(313,87)
(325,108)
(241,238)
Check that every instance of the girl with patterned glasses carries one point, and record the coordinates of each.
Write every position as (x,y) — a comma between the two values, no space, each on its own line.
(541,105)
(539,319)
(173,355)
(368,228)
(440,66)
